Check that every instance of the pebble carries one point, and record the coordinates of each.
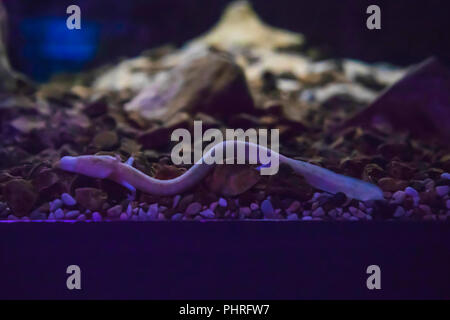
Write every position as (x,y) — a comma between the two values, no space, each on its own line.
(142,215)
(445,175)
(223,203)
(176,200)
(353,218)
(213,205)
(430,217)
(51,216)
(447,204)
(161,216)
(194,208)
(254,206)
(306,213)
(152,211)
(177,216)
(425,208)
(68,200)
(292,216)
(59,214)
(207,214)
(81,217)
(123,216)
(96,216)
(12,217)
(307,218)
(412,192)
(267,209)
(244,212)
(346,215)
(293,207)
(129,210)
(114,211)
(398,197)
(72,214)
(399,212)
(442,190)
(319,212)
(55,204)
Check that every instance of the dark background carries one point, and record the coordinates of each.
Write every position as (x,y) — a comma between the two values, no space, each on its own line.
(40,44)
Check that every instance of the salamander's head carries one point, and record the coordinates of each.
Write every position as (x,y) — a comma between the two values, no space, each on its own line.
(92,166)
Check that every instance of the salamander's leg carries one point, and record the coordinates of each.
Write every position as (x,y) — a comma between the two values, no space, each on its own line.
(130,161)
(132,194)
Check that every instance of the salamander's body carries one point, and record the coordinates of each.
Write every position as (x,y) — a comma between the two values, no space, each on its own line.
(107,167)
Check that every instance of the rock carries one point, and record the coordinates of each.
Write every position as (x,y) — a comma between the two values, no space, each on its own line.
(155,138)
(72,214)
(177,216)
(59,214)
(55,204)
(123,216)
(20,196)
(267,209)
(319,212)
(152,212)
(240,27)
(212,84)
(292,216)
(223,203)
(193,209)
(445,175)
(96,216)
(208,214)
(442,190)
(373,172)
(412,192)
(115,211)
(97,107)
(106,140)
(90,198)
(232,180)
(398,197)
(27,124)
(68,200)
(424,89)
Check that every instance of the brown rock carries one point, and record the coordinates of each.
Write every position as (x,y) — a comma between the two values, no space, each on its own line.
(20,196)
(212,84)
(106,140)
(90,198)
(232,180)
(155,138)
(418,103)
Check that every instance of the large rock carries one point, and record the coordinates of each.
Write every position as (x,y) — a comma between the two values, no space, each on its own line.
(240,26)
(211,83)
(419,103)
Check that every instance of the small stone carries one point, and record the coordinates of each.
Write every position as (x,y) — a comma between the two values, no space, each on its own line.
(12,217)
(319,212)
(59,214)
(445,175)
(81,217)
(254,206)
(115,211)
(106,140)
(399,212)
(292,216)
(223,203)
(267,209)
(90,198)
(388,184)
(51,216)
(293,207)
(213,205)
(55,204)
(307,218)
(398,197)
(177,216)
(123,216)
(152,212)
(442,190)
(68,200)
(207,214)
(245,212)
(96,216)
(430,217)
(193,208)
(20,196)
(176,200)
(411,192)
(447,203)
(72,214)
